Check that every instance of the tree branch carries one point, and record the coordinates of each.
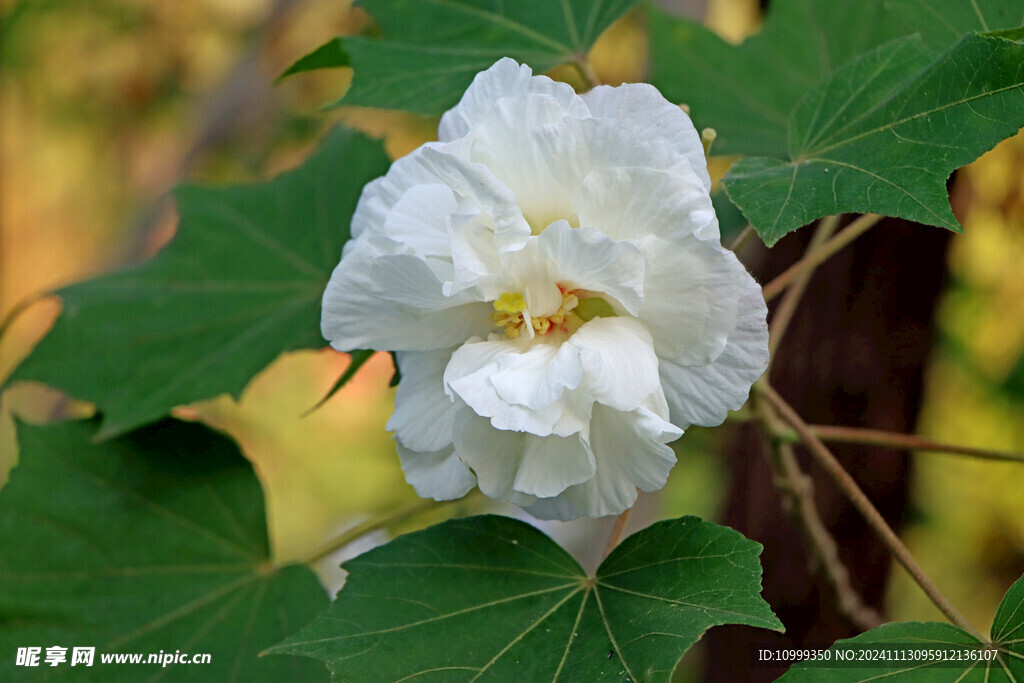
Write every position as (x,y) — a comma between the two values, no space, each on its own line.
(787,307)
(798,492)
(814,259)
(846,483)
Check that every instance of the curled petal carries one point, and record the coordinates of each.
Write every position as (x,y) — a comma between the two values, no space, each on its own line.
(438,474)
(642,110)
(704,394)
(506,78)
(359,310)
(424,414)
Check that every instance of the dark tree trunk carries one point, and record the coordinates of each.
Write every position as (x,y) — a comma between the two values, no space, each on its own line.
(853,355)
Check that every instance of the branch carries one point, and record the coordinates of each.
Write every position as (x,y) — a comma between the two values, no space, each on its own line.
(373,524)
(787,307)
(910,442)
(874,519)
(742,238)
(820,255)
(798,491)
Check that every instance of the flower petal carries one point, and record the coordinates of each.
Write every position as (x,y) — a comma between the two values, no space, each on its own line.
(380,195)
(703,395)
(635,203)
(505,78)
(502,379)
(641,109)
(360,311)
(439,474)
(620,368)
(631,453)
(493,454)
(424,414)
(550,464)
(476,184)
(692,290)
(419,220)
(589,260)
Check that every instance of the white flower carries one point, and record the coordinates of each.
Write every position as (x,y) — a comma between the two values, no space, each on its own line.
(551,278)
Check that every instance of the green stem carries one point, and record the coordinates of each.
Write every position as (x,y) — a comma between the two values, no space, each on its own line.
(380,522)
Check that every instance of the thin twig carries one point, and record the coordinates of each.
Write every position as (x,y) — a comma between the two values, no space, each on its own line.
(620,526)
(742,238)
(380,522)
(874,519)
(880,437)
(910,442)
(787,307)
(798,493)
(848,234)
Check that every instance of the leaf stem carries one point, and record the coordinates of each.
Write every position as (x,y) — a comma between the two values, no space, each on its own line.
(742,238)
(373,524)
(846,483)
(620,526)
(798,491)
(783,315)
(814,259)
(587,72)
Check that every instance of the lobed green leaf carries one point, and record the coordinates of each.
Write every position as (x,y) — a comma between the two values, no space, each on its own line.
(240,283)
(883,134)
(902,638)
(153,541)
(493,598)
(429,50)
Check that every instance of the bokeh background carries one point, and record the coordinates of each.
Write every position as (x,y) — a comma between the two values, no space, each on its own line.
(105,105)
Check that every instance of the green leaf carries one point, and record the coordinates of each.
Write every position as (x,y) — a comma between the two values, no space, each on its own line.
(883,134)
(154,541)
(330,55)
(904,638)
(240,283)
(431,49)
(746,92)
(942,23)
(494,597)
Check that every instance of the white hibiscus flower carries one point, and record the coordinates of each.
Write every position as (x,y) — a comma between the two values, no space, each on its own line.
(551,277)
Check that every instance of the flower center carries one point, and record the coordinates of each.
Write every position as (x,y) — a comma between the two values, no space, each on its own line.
(578,306)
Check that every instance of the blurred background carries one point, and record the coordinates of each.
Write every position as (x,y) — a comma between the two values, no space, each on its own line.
(106,105)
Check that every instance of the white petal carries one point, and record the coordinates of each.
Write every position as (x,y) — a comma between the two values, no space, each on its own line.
(589,260)
(439,474)
(360,309)
(550,464)
(424,413)
(631,453)
(493,454)
(634,203)
(383,193)
(505,78)
(704,395)
(692,290)
(539,374)
(513,143)
(476,184)
(620,368)
(649,116)
(558,507)
(419,220)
